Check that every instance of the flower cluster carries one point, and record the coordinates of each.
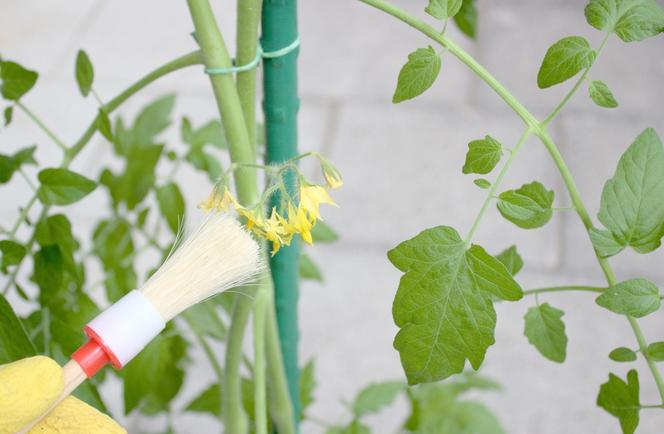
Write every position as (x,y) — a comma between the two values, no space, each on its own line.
(281,226)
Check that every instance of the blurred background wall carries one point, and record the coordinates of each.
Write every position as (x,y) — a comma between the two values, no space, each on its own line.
(402,169)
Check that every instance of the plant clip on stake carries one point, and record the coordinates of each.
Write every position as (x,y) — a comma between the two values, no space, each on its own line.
(279,29)
(218,255)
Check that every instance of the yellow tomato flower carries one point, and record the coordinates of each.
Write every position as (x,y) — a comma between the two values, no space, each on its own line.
(227,200)
(311,196)
(254,217)
(302,224)
(331,174)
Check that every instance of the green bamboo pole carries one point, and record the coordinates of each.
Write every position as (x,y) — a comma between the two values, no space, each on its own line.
(279,30)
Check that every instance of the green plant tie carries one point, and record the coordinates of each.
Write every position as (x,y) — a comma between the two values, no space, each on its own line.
(260,54)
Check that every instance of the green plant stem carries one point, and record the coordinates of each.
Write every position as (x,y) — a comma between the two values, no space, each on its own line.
(260,400)
(540,131)
(248,17)
(563,289)
(216,55)
(281,407)
(494,187)
(209,353)
(42,126)
(190,59)
(576,86)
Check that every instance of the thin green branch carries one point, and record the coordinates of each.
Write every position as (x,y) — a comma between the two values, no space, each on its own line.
(190,59)
(209,353)
(576,86)
(260,399)
(248,18)
(42,126)
(540,131)
(563,289)
(491,194)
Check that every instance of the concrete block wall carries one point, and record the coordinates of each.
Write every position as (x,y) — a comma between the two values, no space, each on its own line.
(401,164)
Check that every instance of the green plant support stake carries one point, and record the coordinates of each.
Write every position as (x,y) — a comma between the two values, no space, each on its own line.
(281,103)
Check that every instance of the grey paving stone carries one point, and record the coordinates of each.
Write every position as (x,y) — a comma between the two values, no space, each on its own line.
(593,145)
(402,169)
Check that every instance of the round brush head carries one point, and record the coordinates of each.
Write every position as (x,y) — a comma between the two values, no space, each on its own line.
(218,255)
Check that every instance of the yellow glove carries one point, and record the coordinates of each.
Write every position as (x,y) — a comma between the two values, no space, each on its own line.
(27,389)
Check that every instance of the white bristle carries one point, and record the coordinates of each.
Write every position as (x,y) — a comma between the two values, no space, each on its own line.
(218,255)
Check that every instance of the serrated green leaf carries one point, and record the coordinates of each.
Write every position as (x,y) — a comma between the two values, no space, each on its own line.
(62,186)
(104,125)
(604,242)
(14,341)
(208,401)
(656,351)
(632,207)
(622,354)
(443,306)
(171,204)
(601,94)
(528,207)
(308,268)
(375,397)
(466,18)
(418,74)
(16,80)
(545,330)
(323,233)
(564,59)
(511,260)
(621,399)
(631,20)
(482,156)
(85,73)
(443,9)
(155,376)
(307,387)
(12,252)
(8,114)
(634,297)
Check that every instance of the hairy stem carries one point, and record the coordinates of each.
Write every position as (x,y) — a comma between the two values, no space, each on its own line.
(216,55)
(539,129)
(209,353)
(248,17)
(42,126)
(260,400)
(563,288)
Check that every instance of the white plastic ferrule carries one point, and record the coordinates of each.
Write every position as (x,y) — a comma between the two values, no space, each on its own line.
(126,327)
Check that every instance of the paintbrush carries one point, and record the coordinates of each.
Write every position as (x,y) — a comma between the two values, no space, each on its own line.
(218,255)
